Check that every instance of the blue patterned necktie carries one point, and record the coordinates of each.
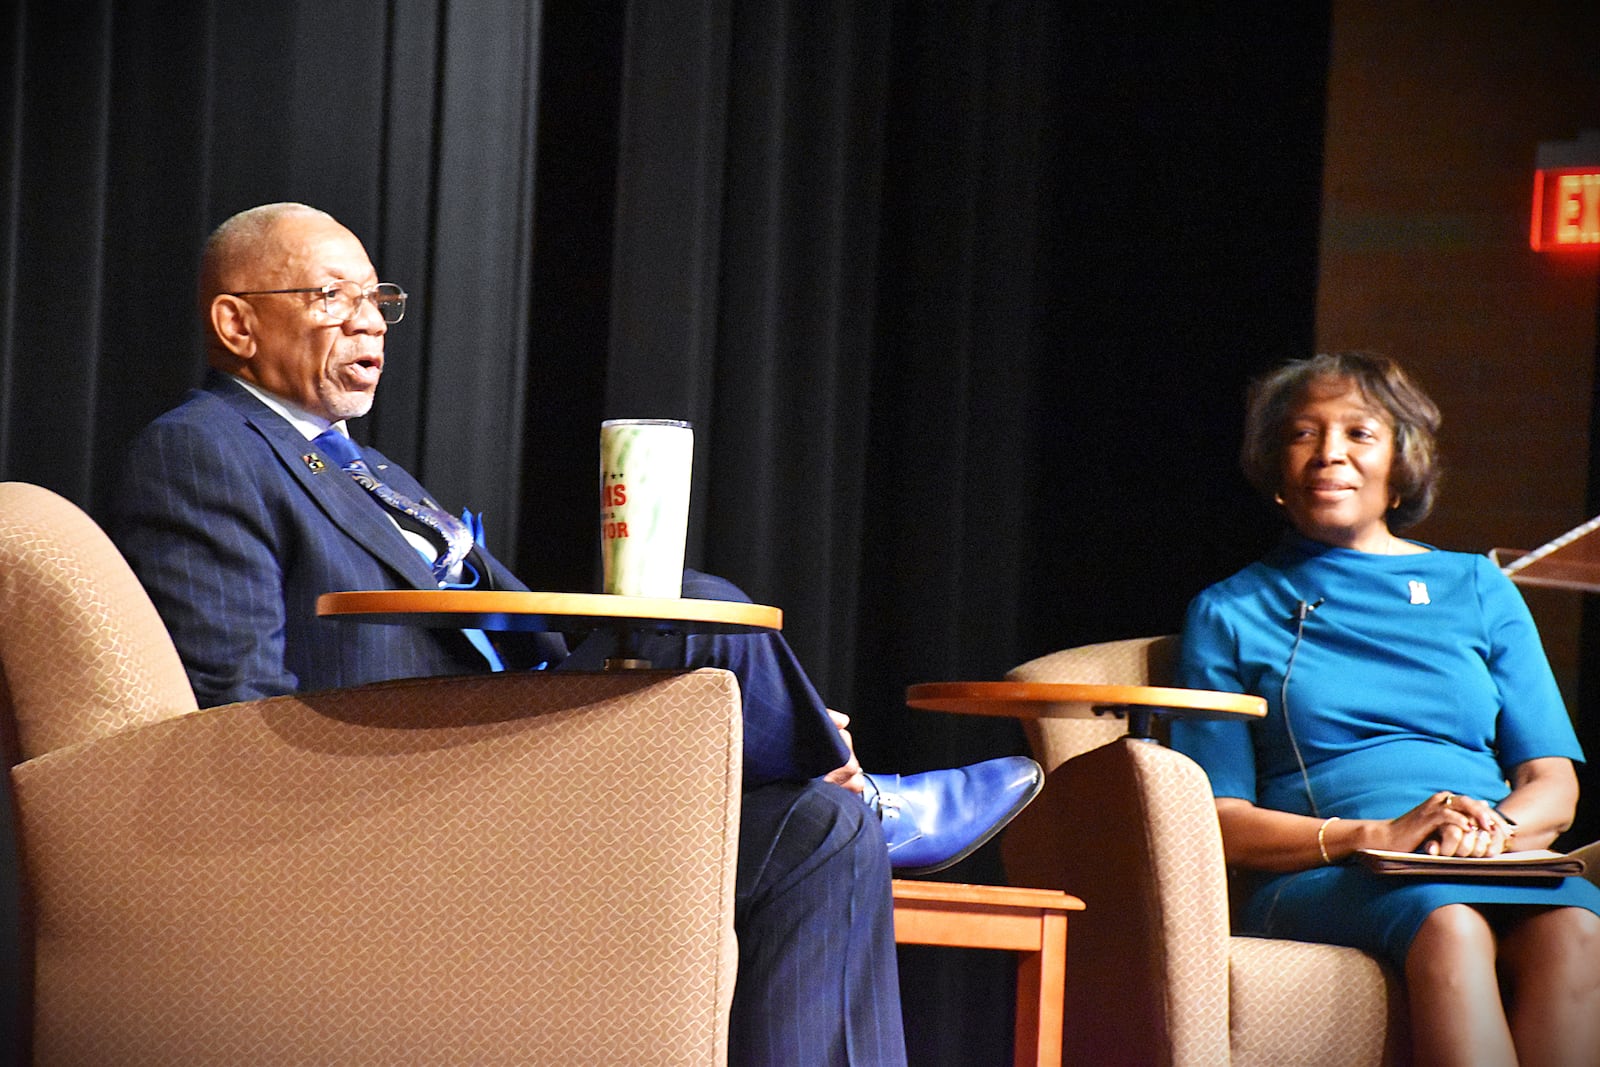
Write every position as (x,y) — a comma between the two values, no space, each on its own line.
(451,531)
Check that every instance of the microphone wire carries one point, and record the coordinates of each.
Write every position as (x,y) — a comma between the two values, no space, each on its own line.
(1302,612)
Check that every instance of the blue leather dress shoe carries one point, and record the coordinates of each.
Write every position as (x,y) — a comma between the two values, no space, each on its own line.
(937,818)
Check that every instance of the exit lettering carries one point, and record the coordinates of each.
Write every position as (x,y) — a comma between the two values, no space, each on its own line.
(1566,210)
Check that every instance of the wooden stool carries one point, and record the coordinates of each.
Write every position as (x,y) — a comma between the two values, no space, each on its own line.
(1032,922)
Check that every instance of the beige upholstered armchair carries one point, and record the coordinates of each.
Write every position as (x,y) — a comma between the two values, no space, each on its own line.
(519,868)
(1154,975)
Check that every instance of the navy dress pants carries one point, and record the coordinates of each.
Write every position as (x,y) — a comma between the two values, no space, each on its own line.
(788,736)
(818,983)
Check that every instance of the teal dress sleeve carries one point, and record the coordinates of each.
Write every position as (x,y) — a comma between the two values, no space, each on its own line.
(1533,720)
(1208,659)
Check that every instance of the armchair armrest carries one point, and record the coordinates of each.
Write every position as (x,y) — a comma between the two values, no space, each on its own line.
(519,867)
(1132,661)
(1131,828)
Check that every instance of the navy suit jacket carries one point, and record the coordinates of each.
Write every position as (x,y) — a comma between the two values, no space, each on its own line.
(235,524)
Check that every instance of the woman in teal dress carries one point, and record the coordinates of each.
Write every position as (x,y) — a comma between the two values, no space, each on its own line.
(1410,707)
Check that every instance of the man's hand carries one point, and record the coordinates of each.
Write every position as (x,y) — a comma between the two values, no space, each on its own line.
(848,776)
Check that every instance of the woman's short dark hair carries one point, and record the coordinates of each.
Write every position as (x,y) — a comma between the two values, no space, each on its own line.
(1414,474)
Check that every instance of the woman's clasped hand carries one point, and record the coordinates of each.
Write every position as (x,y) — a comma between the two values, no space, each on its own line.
(1457,825)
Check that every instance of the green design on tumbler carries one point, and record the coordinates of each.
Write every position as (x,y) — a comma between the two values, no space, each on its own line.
(645,470)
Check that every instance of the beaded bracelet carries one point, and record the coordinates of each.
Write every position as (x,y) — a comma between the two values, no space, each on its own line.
(1322,845)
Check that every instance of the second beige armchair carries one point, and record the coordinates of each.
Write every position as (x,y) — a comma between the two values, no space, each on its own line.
(1155,975)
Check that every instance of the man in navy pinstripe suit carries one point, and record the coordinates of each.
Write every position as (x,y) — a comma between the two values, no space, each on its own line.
(235,519)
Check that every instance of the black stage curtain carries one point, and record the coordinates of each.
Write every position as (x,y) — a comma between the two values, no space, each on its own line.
(960,298)
(963,302)
(964,298)
(133,128)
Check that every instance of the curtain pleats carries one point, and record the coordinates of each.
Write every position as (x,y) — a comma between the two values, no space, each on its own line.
(140,126)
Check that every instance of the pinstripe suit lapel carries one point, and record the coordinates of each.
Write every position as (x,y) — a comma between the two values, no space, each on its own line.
(332,491)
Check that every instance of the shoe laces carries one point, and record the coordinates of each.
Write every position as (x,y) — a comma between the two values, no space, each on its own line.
(887,805)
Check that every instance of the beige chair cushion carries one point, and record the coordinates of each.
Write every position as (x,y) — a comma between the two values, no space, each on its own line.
(1292,1003)
(526,868)
(84,652)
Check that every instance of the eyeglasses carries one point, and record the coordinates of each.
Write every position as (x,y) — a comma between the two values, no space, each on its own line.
(342,300)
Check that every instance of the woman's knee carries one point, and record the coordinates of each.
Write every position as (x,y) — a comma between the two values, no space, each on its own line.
(1457,924)
(1560,941)
(1449,938)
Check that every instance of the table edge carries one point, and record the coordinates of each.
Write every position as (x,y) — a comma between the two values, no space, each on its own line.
(941,696)
(356,602)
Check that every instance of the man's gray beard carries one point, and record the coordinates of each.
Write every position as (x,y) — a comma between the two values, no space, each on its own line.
(349,406)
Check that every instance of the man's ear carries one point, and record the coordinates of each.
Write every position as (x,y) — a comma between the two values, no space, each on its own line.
(234,324)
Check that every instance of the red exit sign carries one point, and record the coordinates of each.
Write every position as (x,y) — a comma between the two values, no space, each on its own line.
(1566,209)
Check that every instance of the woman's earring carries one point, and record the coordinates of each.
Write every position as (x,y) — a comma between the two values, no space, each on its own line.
(1278,499)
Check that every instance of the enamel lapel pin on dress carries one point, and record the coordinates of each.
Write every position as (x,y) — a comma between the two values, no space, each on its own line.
(1419,592)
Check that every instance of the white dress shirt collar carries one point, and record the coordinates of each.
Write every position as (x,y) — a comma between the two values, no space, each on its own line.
(308,424)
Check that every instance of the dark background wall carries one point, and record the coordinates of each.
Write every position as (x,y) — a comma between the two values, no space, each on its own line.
(961,298)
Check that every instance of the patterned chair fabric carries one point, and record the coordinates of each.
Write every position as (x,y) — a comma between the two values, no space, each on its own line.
(1153,975)
(521,868)
(83,651)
